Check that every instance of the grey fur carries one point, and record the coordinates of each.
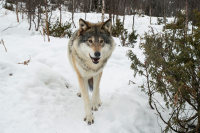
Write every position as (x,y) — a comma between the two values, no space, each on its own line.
(81,48)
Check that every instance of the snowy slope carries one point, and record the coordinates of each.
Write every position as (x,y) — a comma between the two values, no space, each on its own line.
(34,97)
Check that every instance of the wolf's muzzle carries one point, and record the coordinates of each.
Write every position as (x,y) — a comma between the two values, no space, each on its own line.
(95,60)
(97,54)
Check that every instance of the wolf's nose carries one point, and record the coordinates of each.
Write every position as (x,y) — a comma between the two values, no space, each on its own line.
(97,53)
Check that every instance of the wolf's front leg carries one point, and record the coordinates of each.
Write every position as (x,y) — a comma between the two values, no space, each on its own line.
(96,95)
(83,83)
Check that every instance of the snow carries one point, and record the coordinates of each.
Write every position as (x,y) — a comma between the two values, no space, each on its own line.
(41,97)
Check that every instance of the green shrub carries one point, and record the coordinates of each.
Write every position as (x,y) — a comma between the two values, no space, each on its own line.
(60,29)
(160,21)
(171,68)
(8,6)
(117,28)
(180,24)
(126,39)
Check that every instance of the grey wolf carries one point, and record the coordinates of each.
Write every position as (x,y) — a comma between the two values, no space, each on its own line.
(89,49)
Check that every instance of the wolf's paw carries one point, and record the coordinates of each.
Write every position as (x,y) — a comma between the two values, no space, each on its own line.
(79,94)
(95,108)
(89,119)
(100,103)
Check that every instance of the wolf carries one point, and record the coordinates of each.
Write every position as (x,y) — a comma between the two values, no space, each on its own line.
(89,49)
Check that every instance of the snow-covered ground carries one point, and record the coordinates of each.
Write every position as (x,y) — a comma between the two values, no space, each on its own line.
(34,97)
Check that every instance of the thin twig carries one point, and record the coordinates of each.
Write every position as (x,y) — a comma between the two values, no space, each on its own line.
(3,44)
(131,81)
(26,62)
(12,26)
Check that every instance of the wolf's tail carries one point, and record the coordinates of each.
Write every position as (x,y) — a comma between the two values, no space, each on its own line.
(90,83)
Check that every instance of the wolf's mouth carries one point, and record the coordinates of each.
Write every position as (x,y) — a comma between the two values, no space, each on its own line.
(95,60)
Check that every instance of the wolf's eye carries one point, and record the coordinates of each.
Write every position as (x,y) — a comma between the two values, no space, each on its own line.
(101,41)
(90,41)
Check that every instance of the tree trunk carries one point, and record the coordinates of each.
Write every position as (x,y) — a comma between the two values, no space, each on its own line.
(133,22)
(150,11)
(103,10)
(60,14)
(113,19)
(117,8)
(30,22)
(164,14)
(22,11)
(186,14)
(17,10)
(124,11)
(39,15)
(113,10)
(90,5)
(73,14)
(73,11)
(110,8)
(47,27)
(29,13)
(198,112)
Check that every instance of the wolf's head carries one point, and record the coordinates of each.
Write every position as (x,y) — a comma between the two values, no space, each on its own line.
(94,40)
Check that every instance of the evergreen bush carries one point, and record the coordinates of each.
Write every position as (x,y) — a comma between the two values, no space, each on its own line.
(60,29)
(117,28)
(160,21)
(126,39)
(172,69)
(8,6)
(180,24)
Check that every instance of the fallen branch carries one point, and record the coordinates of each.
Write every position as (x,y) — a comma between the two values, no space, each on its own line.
(131,81)
(3,44)
(26,62)
(12,26)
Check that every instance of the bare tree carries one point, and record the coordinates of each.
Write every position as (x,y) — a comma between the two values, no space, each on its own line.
(46,20)
(103,10)
(117,8)
(186,14)
(39,11)
(133,20)
(73,13)
(60,12)
(29,13)
(124,11)
(150,10)
(17,10)
(165,13)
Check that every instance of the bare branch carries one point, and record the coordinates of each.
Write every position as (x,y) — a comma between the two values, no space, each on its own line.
(3,44)
(131,81)
(26,62)
(12,26)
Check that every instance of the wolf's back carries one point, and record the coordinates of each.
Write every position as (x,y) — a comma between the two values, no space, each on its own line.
(70,47)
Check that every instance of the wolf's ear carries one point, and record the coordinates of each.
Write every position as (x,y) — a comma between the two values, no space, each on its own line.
(83,24)
(107,26)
